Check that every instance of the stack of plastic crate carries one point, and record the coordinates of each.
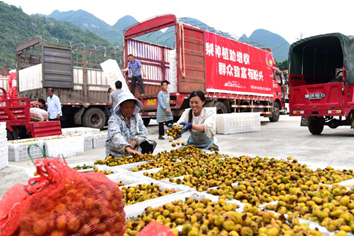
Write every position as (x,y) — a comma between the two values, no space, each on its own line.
(4,161)
(66,146)
(84,131)
(78,130)
(235,123)
(99,139)
(18,150)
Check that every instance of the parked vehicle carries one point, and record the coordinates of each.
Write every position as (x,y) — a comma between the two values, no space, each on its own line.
(73,72)
(236,77)
(321,77)
(16,113)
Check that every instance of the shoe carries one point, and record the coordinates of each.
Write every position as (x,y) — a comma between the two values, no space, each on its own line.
(142,94)
(161,137)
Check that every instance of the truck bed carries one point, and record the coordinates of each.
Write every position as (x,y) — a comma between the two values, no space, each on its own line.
(316,99)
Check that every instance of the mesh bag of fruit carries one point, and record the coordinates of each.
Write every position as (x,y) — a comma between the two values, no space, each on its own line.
(63,201)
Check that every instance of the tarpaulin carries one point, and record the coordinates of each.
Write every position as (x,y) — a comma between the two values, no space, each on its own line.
(322,55)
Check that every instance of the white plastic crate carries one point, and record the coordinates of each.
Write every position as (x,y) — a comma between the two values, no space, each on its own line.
(128,178)
(234,123)
(18,151)
(68,146)
(4,161)
(88,141)
(99,139)
(3,132)
(79,130)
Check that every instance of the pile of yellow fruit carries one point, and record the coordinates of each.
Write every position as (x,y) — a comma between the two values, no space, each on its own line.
(205,217)
(115,161)
(143,192)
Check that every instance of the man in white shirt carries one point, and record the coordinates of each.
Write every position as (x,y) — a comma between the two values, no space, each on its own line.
(54,106)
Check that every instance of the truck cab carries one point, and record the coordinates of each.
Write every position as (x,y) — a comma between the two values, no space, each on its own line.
(321,79)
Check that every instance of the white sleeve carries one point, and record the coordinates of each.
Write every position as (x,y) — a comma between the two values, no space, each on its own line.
(209,124)
(184,117)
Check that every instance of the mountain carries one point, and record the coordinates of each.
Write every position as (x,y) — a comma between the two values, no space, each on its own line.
(114,34)
(120,26)
(16,26)
(87,21)
(124,22)
(279,46)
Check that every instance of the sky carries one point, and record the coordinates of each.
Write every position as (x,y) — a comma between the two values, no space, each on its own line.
(291,19)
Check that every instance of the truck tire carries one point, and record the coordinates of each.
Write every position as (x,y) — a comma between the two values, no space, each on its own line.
(220,108)
(316,125)
(275,113)
(94,118)
(146,121)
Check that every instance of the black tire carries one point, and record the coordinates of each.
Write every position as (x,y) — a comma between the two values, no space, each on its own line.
(146,121)
(220,108)
(316,125)
(12,135)
(94,118)
(275,113)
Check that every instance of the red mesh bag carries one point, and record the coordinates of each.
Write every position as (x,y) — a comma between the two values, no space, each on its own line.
(64,202)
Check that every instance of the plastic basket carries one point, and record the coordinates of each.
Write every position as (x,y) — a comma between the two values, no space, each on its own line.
(88,141)
(4,161)
(18,151)
(69,146)
(80,130)
(238,123)
(99,139)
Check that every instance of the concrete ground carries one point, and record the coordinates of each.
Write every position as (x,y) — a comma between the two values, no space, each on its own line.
(281,139)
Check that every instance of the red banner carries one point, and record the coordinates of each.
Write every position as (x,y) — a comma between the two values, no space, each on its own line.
(234,67)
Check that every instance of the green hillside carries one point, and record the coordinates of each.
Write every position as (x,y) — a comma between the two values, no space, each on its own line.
(279,46)
(87,21)
(16,26)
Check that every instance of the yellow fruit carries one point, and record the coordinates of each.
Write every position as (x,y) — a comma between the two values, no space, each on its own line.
(246,231)
(186,229)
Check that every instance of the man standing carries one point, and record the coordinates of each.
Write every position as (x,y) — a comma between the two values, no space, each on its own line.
(54,106)
(137,70)
(113,96)
(164,114)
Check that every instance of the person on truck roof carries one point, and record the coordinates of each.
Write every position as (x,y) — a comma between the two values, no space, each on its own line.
(113,96)
(127,134)
(164,114)
(134,65)
(200,122)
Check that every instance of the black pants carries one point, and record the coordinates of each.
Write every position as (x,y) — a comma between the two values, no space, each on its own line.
(161,128)
(141,84)
(146,147)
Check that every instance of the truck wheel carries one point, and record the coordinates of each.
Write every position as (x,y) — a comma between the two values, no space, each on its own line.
(316,125)
(275,113)
(146,121)
(94,118)
(12,135)
(220,108)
